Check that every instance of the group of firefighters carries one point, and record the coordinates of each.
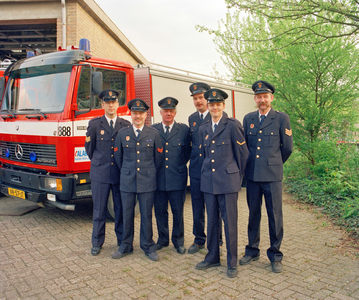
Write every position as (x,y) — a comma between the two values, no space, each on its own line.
(149,165)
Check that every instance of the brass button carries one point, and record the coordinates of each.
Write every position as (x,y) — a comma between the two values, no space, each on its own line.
(111,163)
(166,158)
(166,151)
(213,142)
(112,155)
(166,167)
(213,170)
(126,145)
(260,131)
(138,169)
(138,152)
(138,160)
(257,156)
(111,139)
(166,144)
(259,140)
(200,155)
(271,133)
(258,148)
(101,139)
(138,144)
(111,147)
(212,151)
(213,160)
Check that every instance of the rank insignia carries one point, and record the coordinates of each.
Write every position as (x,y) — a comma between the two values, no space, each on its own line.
(241,143)
(288,132)
(206,137)
(252,126)
(127,138)
(160,150)
(194,124)
(102,132)
(88,138)
(116,149)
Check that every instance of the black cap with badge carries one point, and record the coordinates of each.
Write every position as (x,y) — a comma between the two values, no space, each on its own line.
(137,104)
(168,103)
(215,95)
(198,88)
(109,95)
(261,87)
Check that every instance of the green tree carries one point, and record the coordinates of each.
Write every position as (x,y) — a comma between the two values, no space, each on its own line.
(342,15)
(316,83)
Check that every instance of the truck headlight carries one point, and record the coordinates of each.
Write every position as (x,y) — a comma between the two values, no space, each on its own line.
(53,184)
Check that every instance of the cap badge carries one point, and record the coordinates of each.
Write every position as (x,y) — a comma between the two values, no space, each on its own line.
(169,101)
(252,126)
(260,85)
(195,87)
(214,94)
(127,138)
(138,103)
(110,93)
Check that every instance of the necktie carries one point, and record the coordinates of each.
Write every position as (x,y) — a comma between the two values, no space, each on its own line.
(215,127)
(262,118)
(138,132)
(201,117)
(167,131)
(111,126)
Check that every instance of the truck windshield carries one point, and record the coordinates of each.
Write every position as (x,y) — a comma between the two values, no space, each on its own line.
(37,89)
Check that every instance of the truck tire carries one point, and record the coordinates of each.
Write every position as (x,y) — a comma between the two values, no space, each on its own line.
(111,209)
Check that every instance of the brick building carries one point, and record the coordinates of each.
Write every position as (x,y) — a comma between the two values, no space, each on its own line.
(26,25)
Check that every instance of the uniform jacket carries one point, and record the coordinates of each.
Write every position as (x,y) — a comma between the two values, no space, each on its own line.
(224,154)
(172,176)
(139,159)
(269,144)
(99,145)
(195,122)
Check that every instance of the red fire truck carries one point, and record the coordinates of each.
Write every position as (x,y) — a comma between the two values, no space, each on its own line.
(47,102)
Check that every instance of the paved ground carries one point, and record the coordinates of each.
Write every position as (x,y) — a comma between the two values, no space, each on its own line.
(45,254)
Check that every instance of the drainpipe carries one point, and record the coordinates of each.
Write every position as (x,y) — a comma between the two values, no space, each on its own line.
(63,24)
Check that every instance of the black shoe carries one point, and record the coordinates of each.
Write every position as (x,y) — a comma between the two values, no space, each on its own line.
(153,256)
(181,250)
(205,265)
(159,246)
(194,248)
(277,266)
(246,259)
(95,251)
(118,254)
(232,272)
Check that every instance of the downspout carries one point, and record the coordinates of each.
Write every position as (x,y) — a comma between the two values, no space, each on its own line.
(63,24)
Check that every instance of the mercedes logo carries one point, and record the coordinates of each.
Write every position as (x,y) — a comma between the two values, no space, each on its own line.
(18,151)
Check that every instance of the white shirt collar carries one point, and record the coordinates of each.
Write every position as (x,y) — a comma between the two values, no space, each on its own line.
(204,114)
(164,127)
(109,120)
(135,129)
(259,114)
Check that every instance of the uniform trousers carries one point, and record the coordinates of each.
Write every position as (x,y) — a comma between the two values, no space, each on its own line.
(100,193)
(226,205)
(145,201)
(176,199)
(198,209)
(272,192)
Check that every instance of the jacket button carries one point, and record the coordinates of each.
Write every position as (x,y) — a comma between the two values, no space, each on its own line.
(138,160)
(112,155)
(138,169)
(213,170)
(111,139)
(111,163)
(259,140)
(260,131)
(257,156)
(166,167)
(213,142)
(111,147)
(166,158)
(212,151)
(166,144)
(213,160)
(138,144)
(259,148)
(166,151)
(138,152)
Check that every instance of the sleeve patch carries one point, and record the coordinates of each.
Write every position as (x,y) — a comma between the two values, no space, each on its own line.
(88,138)
(116,149)
(288,132)
(241,143)
(160,150)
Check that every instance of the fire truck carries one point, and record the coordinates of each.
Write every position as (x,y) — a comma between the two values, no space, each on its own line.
(47,101)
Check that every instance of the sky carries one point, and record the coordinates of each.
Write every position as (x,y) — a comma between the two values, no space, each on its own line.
(164,32)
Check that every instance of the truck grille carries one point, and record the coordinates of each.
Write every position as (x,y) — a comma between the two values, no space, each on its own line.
(20,152)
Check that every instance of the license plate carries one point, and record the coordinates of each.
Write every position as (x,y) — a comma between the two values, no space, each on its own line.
(16,193)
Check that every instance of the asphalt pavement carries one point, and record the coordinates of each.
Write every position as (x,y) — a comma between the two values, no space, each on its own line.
(45,254)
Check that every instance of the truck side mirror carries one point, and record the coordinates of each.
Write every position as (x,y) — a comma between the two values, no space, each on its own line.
(97,78)
(2,86)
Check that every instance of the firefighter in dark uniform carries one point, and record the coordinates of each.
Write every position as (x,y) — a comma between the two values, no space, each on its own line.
(225,154)
(104,173)
(270,142)
(172,177)
(138,154)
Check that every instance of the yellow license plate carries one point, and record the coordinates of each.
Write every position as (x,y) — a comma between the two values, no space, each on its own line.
(16,193)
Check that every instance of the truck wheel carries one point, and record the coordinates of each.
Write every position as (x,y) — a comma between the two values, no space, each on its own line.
(111,209)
